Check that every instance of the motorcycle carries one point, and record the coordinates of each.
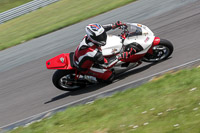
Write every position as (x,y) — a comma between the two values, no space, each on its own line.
(152,49)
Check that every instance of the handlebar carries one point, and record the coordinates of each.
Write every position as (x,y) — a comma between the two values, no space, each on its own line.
(124,26)
(125,31)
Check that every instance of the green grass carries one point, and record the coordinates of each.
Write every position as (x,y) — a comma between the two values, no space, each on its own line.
(53,17)
(8,4)
(170,104)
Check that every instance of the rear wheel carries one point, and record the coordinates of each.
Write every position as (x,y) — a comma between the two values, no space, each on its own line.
(160,52)
(64,80)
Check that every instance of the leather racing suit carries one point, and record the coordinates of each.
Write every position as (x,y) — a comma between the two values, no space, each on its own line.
(88,58)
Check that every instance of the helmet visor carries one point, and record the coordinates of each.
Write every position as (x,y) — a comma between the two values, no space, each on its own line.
(102,38)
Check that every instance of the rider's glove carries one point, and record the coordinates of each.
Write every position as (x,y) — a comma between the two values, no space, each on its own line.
(117,24)
(123,55)
(127,54)
(131,51)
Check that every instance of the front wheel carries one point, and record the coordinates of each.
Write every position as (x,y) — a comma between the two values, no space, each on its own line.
(64,80)
(160,52)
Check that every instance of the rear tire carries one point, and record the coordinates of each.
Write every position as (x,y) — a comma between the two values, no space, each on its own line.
(162,51)
(61,81)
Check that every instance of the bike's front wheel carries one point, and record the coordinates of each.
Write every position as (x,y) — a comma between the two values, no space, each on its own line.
(160,52)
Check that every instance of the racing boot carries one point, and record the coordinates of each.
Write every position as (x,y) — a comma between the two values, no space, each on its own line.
(109,80)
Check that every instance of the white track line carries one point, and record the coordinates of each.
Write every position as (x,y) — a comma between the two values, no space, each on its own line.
(185,64)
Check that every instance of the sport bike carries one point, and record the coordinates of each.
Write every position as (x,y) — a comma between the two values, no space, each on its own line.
(152,49)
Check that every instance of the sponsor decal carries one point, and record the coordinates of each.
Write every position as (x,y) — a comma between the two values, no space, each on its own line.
(139,25)
(114,51)
(146,40)
(62,59)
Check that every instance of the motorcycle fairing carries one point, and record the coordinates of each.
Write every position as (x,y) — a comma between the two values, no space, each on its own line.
(156,41)
(144,41)
(145,38)
(61,61)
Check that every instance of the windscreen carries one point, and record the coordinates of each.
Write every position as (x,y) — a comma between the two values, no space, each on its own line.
(134,30)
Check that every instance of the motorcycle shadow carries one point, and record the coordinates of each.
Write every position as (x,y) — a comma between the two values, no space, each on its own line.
(85,90)
(138,69)
(134,71)
(95,87)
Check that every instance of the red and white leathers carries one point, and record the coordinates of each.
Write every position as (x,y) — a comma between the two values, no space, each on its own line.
(89,59)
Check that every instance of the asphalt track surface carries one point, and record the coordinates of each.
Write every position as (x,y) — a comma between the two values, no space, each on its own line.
(25,84)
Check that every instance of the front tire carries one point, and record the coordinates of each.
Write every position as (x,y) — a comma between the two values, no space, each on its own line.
(63,81)
(162,51)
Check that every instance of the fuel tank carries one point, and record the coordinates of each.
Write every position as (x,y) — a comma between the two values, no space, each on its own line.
(113,45)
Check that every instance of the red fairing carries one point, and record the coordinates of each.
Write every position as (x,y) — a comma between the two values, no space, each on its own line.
(61,61)
(155,42)
(133,58)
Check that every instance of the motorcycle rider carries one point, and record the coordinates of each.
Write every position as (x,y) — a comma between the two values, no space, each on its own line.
(88,57)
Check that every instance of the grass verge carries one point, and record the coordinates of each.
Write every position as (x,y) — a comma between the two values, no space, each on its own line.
(167,105)
(8,4)
(53,17)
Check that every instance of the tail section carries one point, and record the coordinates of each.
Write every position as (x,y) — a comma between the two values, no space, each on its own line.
(61,61)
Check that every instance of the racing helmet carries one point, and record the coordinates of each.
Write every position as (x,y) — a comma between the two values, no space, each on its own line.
(96,34)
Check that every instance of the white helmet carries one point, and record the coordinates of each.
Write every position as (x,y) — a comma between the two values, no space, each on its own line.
(97,34)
